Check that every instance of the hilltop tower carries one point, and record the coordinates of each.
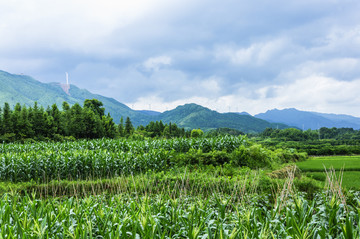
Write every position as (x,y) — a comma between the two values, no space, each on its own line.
(66,87)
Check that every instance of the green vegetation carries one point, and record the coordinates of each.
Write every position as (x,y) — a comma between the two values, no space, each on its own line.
(37,123)
(75,122)
(316,164)
(350,179)
(348,167)
(223,131)
(184,217)
(342,141)
(109,158)
(159,188)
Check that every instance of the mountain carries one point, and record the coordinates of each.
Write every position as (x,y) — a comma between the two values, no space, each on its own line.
(149,112)
(243,113)
(26,90)
(192,116)
(309,120)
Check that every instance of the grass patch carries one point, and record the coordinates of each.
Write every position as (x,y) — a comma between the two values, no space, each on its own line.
(316,164)
(351,179)
(314,168)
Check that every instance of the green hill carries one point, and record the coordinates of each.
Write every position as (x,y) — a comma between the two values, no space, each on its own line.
(26,90)
(193,116)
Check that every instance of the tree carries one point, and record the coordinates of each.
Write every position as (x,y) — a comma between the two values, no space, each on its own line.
(1,122)
(65,106)
(76,124)
(196,133)
(109,126)
(121,129)
(49,125)
(129,128)
(15,119)
(37,120)
(8,126)
(96,106)
(65,119)
(56,115)
(25,125)
(93,124)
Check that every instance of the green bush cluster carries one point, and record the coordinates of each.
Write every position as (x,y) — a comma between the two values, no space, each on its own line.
(317,148)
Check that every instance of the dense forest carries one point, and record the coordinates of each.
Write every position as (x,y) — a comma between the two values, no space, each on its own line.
(76,122)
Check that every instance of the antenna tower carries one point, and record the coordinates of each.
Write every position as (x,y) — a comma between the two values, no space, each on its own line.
(66,87)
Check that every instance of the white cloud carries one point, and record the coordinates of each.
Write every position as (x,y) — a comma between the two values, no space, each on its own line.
(154,63)
(211,86)
(315,93)
(256,54)
(339,68)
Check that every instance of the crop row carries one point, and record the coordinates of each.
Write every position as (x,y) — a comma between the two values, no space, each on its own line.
(163,217)
(76,164)
(181,145)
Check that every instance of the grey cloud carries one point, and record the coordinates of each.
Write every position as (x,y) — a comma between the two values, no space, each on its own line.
(233,47)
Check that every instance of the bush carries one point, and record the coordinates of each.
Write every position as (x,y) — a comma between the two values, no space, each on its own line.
(308,185)
(196,133)
(253,157)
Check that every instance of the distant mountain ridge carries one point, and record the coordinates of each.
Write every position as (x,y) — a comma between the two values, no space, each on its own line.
(196,116)
(310,120)
(26,90)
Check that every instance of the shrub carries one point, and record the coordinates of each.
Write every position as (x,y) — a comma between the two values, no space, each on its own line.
(196,133)
(253,157)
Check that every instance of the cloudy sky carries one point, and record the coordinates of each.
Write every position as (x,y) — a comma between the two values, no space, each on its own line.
(229,55)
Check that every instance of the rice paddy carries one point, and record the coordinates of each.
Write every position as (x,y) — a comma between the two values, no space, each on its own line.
(348,167)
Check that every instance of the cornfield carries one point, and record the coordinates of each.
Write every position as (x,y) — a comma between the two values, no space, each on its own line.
(124,189)
(82,159)
(164,217)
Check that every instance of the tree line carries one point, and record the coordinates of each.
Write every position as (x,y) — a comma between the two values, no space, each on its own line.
(74,122)
(292,134)
(324,141)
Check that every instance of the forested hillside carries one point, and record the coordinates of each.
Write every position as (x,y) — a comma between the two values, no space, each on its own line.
(194,116)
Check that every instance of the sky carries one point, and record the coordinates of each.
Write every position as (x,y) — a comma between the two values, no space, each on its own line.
(229,55)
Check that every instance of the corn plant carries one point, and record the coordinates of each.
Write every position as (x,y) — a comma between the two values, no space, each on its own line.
(159,216)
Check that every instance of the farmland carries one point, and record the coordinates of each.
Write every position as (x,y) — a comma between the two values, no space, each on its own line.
(349,166)
(220,187)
